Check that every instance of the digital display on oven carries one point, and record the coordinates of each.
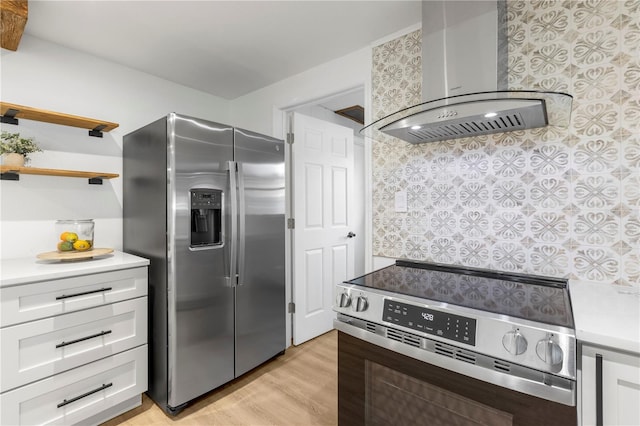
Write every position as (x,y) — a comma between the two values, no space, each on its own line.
(450,326)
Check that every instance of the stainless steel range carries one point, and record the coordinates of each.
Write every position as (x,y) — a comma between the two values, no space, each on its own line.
(511,330)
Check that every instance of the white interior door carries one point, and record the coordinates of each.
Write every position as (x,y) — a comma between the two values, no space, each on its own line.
(323,250)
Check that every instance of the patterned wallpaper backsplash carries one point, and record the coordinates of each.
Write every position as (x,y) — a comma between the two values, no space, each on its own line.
(551,201)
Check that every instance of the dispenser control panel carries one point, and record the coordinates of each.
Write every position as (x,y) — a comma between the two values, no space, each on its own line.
(206,199)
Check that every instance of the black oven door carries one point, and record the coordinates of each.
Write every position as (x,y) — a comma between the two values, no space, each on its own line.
(377,386)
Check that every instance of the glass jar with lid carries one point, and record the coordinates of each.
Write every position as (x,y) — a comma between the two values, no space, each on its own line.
(74,235)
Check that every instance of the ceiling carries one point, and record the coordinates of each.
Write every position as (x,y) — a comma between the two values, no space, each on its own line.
(225,48)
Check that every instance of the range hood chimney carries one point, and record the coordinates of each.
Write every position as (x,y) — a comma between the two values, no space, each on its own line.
(465,78)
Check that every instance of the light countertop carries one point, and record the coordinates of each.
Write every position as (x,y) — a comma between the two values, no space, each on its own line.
(607,315)
(27,270)
(604,314)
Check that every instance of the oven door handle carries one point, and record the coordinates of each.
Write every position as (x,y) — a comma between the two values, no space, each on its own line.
(599,406)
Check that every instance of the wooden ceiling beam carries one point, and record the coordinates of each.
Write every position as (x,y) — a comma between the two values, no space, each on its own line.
(13,19)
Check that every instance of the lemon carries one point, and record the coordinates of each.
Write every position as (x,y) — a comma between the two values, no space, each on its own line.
(81,245)
(71,237)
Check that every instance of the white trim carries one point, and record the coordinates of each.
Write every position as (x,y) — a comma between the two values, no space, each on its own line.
(326,98)
(287,127)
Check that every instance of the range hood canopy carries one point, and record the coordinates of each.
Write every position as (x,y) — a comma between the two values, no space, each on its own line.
(473,115)
(465,50)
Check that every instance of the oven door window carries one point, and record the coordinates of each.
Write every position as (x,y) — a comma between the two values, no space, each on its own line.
(377,386)
(396,398)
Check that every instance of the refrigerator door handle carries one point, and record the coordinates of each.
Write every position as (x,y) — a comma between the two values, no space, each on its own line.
(241,224)
(233,205)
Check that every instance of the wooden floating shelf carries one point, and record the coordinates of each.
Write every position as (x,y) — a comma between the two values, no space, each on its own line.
(11,113)
(12,173)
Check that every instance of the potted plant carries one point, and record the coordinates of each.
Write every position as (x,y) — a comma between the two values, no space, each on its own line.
(15,150)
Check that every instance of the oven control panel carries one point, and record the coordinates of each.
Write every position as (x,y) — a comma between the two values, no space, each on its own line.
(547,348)
(450,326)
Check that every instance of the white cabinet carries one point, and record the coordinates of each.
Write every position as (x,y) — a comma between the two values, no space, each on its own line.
(610,390)
(45,347)
(53,297)
(78,394)
(74,347)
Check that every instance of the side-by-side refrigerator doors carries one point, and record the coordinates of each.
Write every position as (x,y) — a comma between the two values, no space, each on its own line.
(200,293)
(260,292)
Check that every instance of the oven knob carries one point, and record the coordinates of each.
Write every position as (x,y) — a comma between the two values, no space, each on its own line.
(361,304)
(549,352)
(343,300)
(514,342)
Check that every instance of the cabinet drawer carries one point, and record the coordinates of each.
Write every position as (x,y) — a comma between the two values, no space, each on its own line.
(30,302)
(38,349)
(77,394)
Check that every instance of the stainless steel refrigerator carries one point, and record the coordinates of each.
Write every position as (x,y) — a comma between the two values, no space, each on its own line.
(205,202)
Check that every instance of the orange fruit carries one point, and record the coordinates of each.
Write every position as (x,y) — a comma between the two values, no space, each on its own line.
(71,237)
(81,245)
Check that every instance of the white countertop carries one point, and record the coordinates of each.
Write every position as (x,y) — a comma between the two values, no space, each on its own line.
(607,315)
(27,270)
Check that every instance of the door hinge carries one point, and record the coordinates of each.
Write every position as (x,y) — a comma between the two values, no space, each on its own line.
(291,223)
(291,308)
(290,138)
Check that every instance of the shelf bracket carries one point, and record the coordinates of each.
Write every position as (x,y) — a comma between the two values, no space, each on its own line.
(97,131)
(95,181)
(9,117)
(9,176)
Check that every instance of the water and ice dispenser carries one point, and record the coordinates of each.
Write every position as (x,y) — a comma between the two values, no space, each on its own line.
(206,217)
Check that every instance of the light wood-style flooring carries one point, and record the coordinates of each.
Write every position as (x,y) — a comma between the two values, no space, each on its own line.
(297,388)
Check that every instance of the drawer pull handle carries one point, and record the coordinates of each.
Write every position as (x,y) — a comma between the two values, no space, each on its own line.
(69,401)
(599,406)
(82,339)
(82,294)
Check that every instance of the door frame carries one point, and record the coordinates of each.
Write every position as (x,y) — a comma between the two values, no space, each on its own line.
(282,125)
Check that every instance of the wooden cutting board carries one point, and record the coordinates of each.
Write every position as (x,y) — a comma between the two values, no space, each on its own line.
(74,255)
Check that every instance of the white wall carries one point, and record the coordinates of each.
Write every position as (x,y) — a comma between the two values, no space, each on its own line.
(261,110)
(48,76)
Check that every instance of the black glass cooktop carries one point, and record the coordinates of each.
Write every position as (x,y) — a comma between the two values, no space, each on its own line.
(534,298)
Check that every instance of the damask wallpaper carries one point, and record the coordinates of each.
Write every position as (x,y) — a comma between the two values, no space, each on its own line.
(551,201)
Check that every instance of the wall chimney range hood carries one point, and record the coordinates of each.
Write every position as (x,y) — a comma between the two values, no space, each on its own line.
(464,81)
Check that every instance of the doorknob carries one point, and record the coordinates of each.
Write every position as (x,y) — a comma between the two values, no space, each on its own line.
(351,235)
